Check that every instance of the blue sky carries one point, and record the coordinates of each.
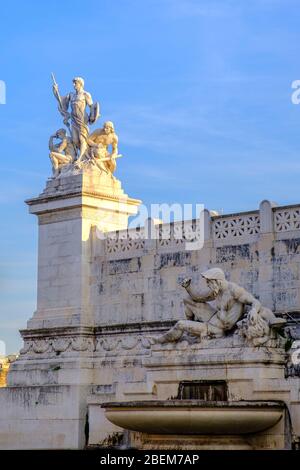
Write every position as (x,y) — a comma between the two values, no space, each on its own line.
(199,91)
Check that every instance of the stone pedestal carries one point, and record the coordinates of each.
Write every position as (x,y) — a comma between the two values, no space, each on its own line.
(68,210)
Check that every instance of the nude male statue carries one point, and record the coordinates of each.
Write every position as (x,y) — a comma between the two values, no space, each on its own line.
(78,102)
(61,153)
(230,301)
(101,139)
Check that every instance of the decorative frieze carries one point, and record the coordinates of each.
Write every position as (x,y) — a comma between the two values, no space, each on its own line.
(236,227)
(125,241)
(57,345)
(165,237)
(93,344)
(127,343)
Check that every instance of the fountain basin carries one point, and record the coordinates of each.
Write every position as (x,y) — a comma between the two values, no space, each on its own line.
(194,416)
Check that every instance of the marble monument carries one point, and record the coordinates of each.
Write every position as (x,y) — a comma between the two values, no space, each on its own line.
(139,341)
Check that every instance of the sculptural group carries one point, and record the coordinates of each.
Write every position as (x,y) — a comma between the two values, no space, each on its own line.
(80,149)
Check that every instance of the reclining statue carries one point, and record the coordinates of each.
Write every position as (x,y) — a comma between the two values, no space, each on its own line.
(208,321)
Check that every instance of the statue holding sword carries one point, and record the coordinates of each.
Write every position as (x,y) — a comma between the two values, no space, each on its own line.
(73,108)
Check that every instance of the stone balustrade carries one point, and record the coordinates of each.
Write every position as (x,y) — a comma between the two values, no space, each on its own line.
(221,230)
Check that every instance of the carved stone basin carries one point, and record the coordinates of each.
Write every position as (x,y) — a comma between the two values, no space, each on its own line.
(194,417)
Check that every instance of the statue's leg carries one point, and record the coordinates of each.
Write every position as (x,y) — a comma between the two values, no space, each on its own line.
(175,333)
(83,144)
(63,159)
(188,310)
(75,139)
(111,167)
(54,162)
(200,311)
(75,136)
(270,318)
(83,147)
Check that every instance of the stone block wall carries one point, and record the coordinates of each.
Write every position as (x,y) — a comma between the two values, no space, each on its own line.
(136,280)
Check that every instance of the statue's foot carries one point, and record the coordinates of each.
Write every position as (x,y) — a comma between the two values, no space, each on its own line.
(155,339)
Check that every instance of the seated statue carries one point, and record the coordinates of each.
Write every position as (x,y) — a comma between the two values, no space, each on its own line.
(102,139)
(230,300)
(62,153)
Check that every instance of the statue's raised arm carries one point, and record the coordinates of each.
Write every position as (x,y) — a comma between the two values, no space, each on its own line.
(63,102)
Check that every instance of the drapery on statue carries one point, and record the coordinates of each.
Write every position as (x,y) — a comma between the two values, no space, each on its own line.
(230,300)
(62,153)
(78,102)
